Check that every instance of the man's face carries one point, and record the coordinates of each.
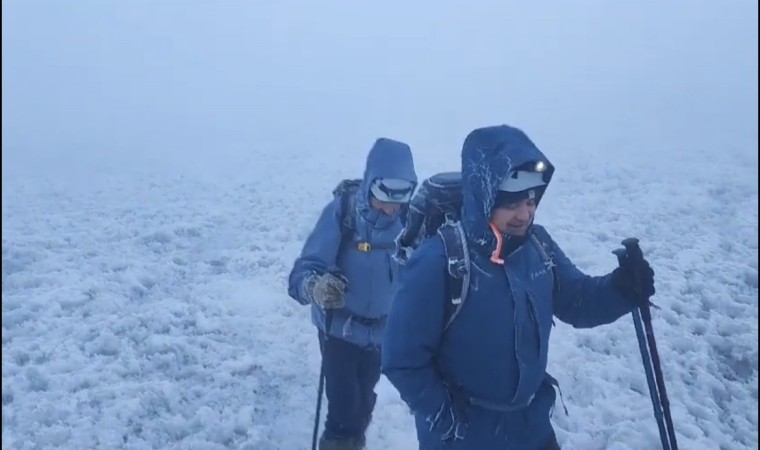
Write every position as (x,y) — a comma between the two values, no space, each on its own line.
(386,207)
(514,219)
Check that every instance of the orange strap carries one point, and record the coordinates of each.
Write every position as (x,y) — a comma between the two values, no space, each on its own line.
(496,255)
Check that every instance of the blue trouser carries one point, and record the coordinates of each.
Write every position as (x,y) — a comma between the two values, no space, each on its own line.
(351,374)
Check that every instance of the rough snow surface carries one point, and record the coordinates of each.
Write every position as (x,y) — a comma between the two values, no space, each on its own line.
(150,312)
(157,186)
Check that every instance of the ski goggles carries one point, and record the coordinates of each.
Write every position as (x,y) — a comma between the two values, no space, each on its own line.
(392,191)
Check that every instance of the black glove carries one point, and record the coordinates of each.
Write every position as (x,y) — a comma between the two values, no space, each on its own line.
(634,279)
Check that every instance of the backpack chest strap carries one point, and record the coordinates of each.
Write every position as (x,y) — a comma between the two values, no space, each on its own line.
(368,247)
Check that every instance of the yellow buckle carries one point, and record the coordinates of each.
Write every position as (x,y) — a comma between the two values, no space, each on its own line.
(364,246)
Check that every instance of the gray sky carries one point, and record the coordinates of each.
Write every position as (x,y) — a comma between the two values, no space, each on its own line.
(121,80)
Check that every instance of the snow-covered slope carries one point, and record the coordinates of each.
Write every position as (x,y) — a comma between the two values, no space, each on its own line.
(149,225)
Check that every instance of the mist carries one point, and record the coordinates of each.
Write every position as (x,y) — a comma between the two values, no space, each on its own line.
(164,161)
(118,85)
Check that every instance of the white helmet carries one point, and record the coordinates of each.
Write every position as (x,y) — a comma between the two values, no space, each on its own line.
(521,180)
(392,190)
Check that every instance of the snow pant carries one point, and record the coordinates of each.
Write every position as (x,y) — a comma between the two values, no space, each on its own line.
(351,373)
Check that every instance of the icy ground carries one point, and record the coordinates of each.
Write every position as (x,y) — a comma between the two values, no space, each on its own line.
(147,308)
(162,163)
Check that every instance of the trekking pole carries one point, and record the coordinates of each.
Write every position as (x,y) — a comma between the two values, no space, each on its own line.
(635,254)
(328,323)
(645,358)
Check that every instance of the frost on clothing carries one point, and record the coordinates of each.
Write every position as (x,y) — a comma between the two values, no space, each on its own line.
(371,274)
(496,349)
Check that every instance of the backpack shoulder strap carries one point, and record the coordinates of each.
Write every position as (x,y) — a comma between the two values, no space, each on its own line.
(457,268)
(348,215)
(346,191)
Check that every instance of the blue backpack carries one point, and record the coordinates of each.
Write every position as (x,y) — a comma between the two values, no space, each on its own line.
(435,209)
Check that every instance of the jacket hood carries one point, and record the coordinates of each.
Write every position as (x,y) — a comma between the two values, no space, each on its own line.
(488,154)
(386,159)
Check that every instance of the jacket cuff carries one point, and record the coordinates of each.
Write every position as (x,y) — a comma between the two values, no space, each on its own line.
(305,290)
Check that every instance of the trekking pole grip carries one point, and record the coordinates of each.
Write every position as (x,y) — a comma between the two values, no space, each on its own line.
(631,245)
(620,253)
(635,256)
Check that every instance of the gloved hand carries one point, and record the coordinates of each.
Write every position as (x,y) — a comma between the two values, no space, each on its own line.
(451,418)
(327,291)
(625,280)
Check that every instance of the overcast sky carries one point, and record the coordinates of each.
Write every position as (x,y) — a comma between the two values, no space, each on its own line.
(113,79)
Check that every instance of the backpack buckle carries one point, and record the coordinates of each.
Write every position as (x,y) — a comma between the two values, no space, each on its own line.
(364,246)
(457,267)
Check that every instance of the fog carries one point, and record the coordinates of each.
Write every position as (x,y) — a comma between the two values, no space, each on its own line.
(92,85)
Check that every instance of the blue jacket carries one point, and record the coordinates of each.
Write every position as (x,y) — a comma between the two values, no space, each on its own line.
(371,275)
(496,349)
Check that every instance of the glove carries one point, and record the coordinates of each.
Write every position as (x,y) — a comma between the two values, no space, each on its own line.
(327,291)
(625,280)
(451,417)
